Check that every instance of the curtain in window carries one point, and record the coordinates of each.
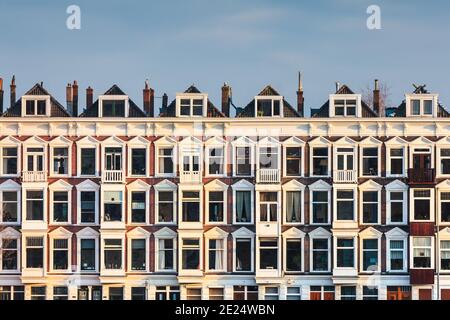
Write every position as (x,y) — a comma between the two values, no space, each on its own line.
(396,254)
(243,206)
(246,213)
(219,255)
(421,252)
(239,205)
(162,260)
(293,206)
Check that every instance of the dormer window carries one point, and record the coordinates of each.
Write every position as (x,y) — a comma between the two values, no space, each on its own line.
(269,106)
(36,105)
(342,105)
(421,105)
(191,105)
(113,106)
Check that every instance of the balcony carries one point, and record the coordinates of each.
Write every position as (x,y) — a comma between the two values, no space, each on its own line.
(190,177)
(345,176)
(421,175)
(34,176)
(268,176)
(112,176)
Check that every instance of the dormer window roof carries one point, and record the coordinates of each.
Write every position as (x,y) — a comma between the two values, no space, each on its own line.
(113,106)
(269,106)
(421,105)
(191,105)
(345,105)
(36,105)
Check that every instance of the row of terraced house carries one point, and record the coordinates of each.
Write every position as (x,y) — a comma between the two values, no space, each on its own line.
(113,201)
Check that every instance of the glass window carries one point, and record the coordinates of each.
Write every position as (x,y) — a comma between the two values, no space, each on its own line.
(138,206)
(216,254)
(216,206)
(445,161)
(293,293)
(445,255)
(370,207)
(293,255)
(370,161)
(116,293)
(243,254)
(87,254)
(35,252)
(445,206)
(113,205)
(245,293)
(320,254)
(293,161)
(427,107)
(38,293)
(166,254)
(12,293)
(60,206)
(190,254)
(216,161)
(60,254)
(243,161)
(193,294)
(60,293)
(9,160)
(113,254)
(320,161)
(348,293)
(35,205)
(268,254)
(268,158)
(397,255)
(191,206)
(165,206)
(165,160)
(345,204)
(138,293)
(345,253)
(243,207)
(370,293)
(9,254)
(271,293)
(216,294)
(422,252)
(396,206)
(138,161)
(320,207)
(415,107)
(370,254)
(138,254)
(345,107)
(293,206)
(268,206)
(60,160)
(396,158)
(88,161)
(87,206)
(422,204)
(113,108)
(167,293)
(9,206)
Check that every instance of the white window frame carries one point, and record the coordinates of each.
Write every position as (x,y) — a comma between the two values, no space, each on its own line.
(244,185)
(166,234)
(11,186)
(190,188)
(396,186)
(244,233)
(319,185)
(345,143)
(216,143)
(113,142)
(34,98)
(319,233)
(421,97)
(396,234)
(345,187)
(112,188)
(319,142)
(88,185)
(258,206)
(166,143)
(35,142)
(294,142)
(88,234)
(293,186)
(191,97)
(34,271)
(34,187)
(265,143)
(396,143)
(11,234)
(443,187)
(62,234)
(138,234)
(345,97)
(444,235)
(244,142)
(355,251)
(421,143)
(61,186)
(88,143)
(11,142)
(190,234)
(61,142)
(112,272)
(369,143)
(166,186)
(370,234)
(432,254)
(216,234)
(216,186)
(272,98)
(138,143)
(138,186)
(444,143)
(103,97)
(432,204)
(293,234)
(370,186)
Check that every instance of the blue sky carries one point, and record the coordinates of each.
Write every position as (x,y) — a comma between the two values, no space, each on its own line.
(247,43)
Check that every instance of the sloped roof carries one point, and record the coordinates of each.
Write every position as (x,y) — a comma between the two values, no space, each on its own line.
(56,109)
(212,111)
(249,110)
(324,110)
(134,111)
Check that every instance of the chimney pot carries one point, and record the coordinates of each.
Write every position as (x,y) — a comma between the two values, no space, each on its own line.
(75,99)
(89,97)
(13,91)
(377,104)
(226,99)
(165,100)
(149,99)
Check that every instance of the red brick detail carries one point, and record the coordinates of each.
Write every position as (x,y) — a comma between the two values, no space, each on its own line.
(421,276)
(422,229)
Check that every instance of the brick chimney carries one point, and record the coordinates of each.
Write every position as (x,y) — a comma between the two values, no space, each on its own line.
(12,88)
(89,97)
(75,99)
(165,100)
(1,96)
(226,99)
(379,109)
(300,98)
(69,98)
(149,100)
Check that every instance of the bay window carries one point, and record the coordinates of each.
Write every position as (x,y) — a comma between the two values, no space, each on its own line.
(345,252)
(138,254)
(190,206)
(268,254)
(445,255)
(268,206)
(112,251)
(9,249)
(190,254)
(166,254)
(112,205)
(422,252)
(34,252)
(10,160)
(345,202)
(422,204)
(9,205)
(35,205)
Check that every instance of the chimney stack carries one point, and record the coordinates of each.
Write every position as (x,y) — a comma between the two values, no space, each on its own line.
(377,105)
(338,86)
(226,99)
(75,98)
(1,96)
(69,98)
(13,91)
(300,98)
(165,100)
(89,97)
(149,100)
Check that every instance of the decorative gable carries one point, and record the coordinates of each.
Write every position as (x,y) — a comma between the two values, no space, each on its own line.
(10,233)
(165,233)
(319,185)
(319,233)
(138,184)
(216,233)
(87,232)
(396,185)
(243,233)
(60,185)
(396,233)
(293,233)
(138,232)
(293,185)
(370,233)
(60,233)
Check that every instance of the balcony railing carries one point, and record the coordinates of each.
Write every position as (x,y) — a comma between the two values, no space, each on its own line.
(114,176)
(190,177)
(421,175)
(268,176)
(345,176)
(34,176)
